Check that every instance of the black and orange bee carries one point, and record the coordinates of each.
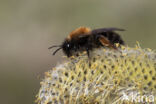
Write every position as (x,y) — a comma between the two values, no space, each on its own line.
(85,39)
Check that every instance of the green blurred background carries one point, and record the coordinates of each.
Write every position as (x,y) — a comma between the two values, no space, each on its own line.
(29,27)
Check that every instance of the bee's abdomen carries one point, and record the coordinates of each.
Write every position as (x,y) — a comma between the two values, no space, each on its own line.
(113,37)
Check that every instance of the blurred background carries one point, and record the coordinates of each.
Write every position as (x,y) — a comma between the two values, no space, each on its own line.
(29,27)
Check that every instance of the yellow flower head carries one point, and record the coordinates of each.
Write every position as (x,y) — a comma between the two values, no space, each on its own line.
(108,76)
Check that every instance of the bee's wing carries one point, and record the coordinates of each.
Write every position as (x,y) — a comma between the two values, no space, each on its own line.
(105,42)
(101,30)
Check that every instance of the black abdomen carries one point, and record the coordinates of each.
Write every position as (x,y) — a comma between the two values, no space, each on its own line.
(109,33)
(113,37)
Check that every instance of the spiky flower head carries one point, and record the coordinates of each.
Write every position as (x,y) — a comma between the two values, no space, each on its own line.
(107,77)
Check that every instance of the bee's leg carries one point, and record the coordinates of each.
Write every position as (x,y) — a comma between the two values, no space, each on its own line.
(89,57)
(76,53)
(88,53)
(105,42)
(68,54)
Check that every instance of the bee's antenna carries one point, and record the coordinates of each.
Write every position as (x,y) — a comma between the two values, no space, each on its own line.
(53,46)
(56,50)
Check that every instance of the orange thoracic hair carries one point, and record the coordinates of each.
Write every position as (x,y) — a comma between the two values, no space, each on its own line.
(79,31)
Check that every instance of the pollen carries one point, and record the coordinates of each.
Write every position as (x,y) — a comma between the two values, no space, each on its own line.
(104,78)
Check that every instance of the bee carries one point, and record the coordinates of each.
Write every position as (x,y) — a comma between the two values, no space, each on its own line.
(85,39)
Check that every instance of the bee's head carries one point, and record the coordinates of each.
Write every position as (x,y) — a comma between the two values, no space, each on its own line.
(67,47)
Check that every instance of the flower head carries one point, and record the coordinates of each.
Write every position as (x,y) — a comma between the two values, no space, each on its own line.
(104,78)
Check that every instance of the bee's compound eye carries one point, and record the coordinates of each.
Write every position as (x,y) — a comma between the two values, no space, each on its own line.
(68,45)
